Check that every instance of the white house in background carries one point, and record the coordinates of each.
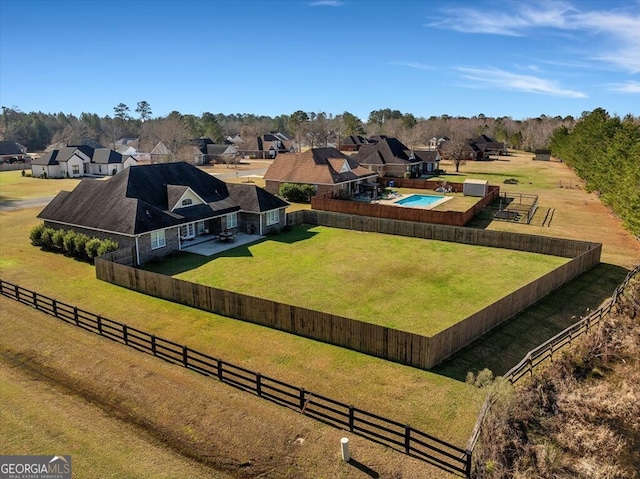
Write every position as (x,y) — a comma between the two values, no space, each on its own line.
(78,161)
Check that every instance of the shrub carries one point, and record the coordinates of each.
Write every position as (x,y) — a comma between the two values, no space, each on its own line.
(46,238)
(107,246)
(36,235)
(69,243)
(91,248)
(80,244)
(297,193)
(57,239)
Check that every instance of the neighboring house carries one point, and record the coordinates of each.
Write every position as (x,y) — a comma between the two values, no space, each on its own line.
(488,146)
(108,162)
(257,148)
(436,142)
(542,155)
(80,160)
(159,154)
(158,209)
(329,170)
(221,154)
(260,210)
(128,146)
(352,143)
(235,140)
(13,152)
(388,156)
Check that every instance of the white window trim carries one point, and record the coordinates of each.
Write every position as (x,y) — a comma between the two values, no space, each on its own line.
(160,239)
(232,220)
(273,217)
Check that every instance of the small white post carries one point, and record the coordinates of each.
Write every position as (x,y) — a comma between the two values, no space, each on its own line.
(344,444)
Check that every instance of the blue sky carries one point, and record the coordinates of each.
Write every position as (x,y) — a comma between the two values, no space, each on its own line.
(461,58)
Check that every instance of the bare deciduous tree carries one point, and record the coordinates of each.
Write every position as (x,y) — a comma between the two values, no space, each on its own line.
(457,151)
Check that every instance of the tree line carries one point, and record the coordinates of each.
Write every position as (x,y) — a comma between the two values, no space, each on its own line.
(604,151)
(37,130)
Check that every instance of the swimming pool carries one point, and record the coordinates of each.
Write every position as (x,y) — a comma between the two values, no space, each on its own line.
(421,201)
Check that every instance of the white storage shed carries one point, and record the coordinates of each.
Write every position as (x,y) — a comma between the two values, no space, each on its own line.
(475,188)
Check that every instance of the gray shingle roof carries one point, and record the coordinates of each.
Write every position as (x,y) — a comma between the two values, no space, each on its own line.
(254,199)
(10,148)
(136,200)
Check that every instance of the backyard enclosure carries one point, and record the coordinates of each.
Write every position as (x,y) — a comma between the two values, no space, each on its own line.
(384,342)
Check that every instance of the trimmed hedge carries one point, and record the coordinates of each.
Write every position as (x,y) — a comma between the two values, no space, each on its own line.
(71,243)
(297,193)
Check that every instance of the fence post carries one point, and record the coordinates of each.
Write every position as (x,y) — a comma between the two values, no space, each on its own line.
(153,344)
(16,288)
(259,384)
(407,439)
(220,369)
(99,318)
(125,334)
(351,417)
(467,465)
(35,299)
(55,308)
(185,356)
(302,392)
(75,315)
(530,364)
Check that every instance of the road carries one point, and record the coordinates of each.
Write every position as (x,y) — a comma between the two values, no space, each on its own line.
(11,205)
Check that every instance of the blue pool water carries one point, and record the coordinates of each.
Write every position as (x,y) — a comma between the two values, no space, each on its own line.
(417,201)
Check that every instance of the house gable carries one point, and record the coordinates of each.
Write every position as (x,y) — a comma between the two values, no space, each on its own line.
(186,197)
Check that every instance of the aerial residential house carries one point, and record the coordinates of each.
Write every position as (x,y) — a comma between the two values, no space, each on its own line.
(329,170)
(160,208)
(217,153)
(352,143)
(436,142)
(127,146)
(258,148)
(260,211)
(80,160)
(488,146)
(388,156)
(68,161)
(13,152)
(160,154)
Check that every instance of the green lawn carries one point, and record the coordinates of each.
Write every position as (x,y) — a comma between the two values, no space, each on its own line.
(14,186)
(412,284)
(430,402)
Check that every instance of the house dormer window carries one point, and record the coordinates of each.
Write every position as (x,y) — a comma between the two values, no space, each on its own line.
(187,202)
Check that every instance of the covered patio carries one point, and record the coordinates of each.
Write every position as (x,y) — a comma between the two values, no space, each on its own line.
(209,245)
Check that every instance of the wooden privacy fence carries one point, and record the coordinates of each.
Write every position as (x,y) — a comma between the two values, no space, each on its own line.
(388,432)
(452,218)
(545,351)
(383,342)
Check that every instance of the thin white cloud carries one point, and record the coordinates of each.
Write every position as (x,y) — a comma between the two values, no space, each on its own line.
(618,30)
(505,80)
(626,87)
(419,66)
(326,3)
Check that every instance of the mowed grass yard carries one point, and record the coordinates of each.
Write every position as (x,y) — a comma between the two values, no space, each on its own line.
(430,402)
(14,186)
(411,284)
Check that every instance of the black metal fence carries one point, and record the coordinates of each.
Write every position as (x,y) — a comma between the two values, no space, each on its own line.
(377,428)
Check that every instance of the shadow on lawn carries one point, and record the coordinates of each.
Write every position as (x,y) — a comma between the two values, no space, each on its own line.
(181,262)
(505,345)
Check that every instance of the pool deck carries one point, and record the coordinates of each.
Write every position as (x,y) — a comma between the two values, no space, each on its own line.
(394,201)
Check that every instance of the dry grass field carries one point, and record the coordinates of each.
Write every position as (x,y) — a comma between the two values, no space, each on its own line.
(154,413)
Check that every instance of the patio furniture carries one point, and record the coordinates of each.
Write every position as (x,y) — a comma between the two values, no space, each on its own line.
(225,236)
